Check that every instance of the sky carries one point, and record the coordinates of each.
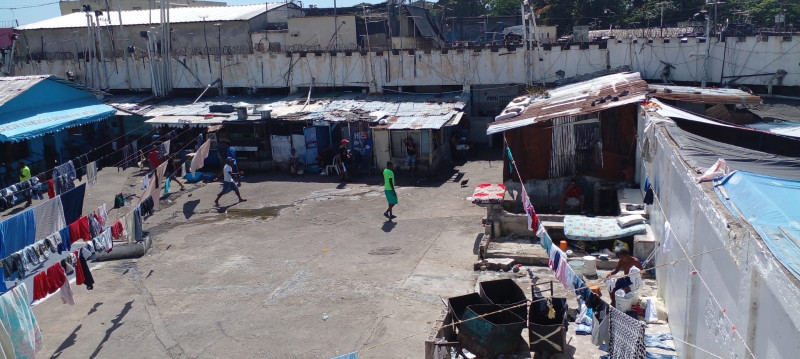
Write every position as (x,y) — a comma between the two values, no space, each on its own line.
(11,10)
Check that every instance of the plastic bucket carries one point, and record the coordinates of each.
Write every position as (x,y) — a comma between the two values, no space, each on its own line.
(624,304)
(590,265)
(577,267)
(563,245)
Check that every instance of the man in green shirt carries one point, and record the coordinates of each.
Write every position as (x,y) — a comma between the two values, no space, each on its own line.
(24,175)
(388,186)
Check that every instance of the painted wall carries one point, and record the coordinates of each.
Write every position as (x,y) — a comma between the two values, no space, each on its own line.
(757,294)
(464,67)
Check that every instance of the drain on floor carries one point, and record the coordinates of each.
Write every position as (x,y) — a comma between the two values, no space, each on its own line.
(384,251)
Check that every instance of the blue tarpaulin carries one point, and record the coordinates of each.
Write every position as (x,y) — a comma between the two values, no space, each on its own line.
(33,123)
(772,206)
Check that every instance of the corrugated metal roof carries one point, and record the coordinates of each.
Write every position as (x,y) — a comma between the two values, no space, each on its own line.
(143,105)
(578,99)
(703,94)
(143,17)
(13,86)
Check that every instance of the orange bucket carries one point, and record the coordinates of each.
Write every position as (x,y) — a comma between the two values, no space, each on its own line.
(563,245)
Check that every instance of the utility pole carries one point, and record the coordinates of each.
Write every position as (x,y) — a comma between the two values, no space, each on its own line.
(527,51)
(538,45)
(708,49)
(219,43)
(662,18)
(122,39)
(335,27)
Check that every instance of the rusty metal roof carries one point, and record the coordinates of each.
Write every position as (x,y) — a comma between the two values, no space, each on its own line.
(143,17)
(582,98)
(704,95)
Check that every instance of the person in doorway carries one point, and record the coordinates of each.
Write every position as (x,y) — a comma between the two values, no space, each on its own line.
(228,184)
(389,189)
(344,158)
(628,173)
(626,262)
(24,175)
(572,197)
(411,154)
(294,162)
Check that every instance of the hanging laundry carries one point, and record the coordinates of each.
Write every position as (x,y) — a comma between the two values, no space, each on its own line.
(648,192)
(17,232)
(40,285)
(64,177)
(91,173)
(163,149)
(160,171)
(51,191)
(200,157)
(49,217)
(103,241)
(66,294)
(82,270)
(72,201)
(116,229)
(55,278)
(80,230)
(129,229)
(66,242)
(94,226)
(18,320)
(80,163)
(627,336)
(147,206)
(101,214)
(667,236)
(13,266)
(134,155)
(137,225)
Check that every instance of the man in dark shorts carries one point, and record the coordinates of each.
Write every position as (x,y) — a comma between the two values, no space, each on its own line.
(626,262)
(389,189)
(344,159)
(411,154)
(228,184)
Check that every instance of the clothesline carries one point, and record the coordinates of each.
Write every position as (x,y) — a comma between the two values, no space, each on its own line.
(124,160)
(696,272)
(82,166)
(511,307)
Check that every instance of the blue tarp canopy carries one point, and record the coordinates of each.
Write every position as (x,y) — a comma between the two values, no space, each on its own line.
(32,123)
(772,206)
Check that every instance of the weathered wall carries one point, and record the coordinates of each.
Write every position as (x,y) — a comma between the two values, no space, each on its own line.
(757,294)
(317,33)
(463,67)
(187,40)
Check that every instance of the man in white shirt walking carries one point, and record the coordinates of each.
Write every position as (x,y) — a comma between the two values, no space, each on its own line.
(227,183)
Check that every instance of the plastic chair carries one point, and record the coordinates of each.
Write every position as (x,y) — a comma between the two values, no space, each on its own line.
(334,166)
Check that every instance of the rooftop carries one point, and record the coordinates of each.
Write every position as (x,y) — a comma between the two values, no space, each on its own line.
(13,86)
(703,94)
(144,17)
(585,97)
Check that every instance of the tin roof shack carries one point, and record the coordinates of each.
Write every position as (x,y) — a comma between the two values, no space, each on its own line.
(429,120)
(247,134)
(46,120)
(194,31)
(374,126)
(585,131)
(737,236)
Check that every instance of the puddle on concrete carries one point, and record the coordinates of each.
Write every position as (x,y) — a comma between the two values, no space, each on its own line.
(384,251)
(260,213)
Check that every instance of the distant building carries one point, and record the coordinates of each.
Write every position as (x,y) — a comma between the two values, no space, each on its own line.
(195,31)
(72,6)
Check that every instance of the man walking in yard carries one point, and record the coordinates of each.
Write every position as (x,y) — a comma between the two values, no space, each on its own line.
(24,175)
(388,186)
(227,183)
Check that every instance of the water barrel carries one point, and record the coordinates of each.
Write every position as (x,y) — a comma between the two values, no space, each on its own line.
(590,265)
(577,267)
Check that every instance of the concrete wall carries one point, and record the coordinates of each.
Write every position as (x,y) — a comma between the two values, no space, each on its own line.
(70,6)
(464,67)
(758,294)
(317,33)
(187,40)
(280,15)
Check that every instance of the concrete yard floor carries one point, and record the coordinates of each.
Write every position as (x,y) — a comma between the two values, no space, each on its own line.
(257,279)
(306,268)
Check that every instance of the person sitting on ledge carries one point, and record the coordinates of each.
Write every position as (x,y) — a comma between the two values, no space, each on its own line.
(572,197)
